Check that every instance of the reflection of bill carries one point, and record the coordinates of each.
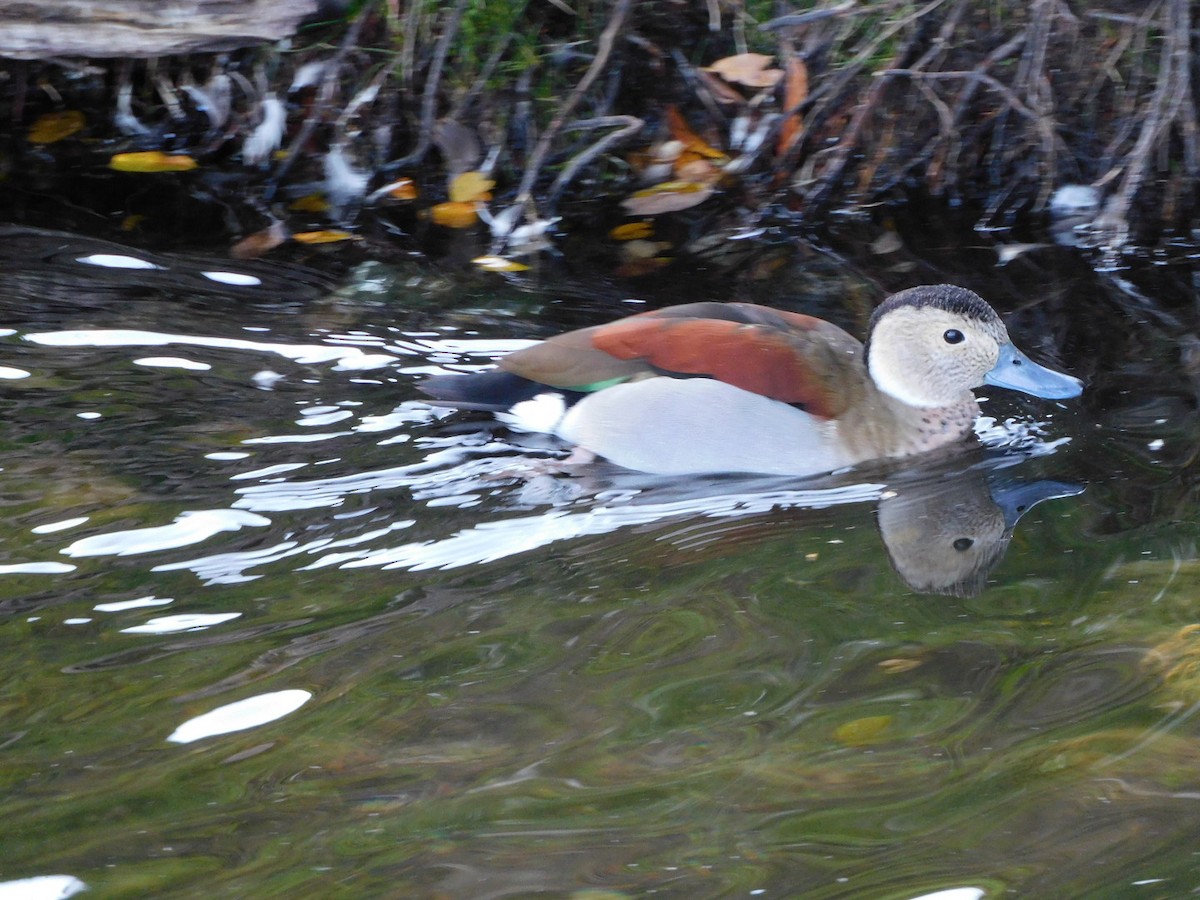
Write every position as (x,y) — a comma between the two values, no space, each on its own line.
(945,536)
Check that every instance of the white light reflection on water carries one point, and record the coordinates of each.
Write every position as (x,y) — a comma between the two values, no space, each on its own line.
(240,715)
(51,527)
(961,893)
(42,887)
(139,603)
(490,541)
(181,622)
(171,362)
(346,358)
(188,528)
(36,568)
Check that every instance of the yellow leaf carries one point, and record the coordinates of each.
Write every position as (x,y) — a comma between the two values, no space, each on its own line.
(470,186)
(863,731)
(632,231)
(749,69)
(671,196)
(313,203)
(152,161)
(458,214)
(499,264)
(327,236)
(55,126)
(132,222)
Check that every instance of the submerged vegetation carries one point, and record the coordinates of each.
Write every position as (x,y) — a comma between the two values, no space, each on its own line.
(390,121)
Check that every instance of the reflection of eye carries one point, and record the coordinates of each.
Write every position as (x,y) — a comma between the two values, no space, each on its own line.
(953,336)
(963,544)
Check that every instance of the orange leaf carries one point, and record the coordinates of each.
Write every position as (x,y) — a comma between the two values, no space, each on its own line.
(749,69)
(55,126)
(682,132)
(326,236)
(795,91)
(404,189)
(152,161)
(455,214)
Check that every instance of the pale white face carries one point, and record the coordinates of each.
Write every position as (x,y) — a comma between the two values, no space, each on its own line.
(930,357)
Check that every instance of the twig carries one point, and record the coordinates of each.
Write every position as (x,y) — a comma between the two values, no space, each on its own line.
(631,126)
(603,50)
(432,83)
(1170,93)
(321,106)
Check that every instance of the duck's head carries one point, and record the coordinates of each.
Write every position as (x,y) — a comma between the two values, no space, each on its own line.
(928,345)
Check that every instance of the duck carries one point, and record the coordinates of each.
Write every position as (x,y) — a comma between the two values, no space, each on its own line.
(732,387)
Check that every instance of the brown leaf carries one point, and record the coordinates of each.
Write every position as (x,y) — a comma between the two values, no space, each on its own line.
(255,245)
(749,69)
(721,92)
(671,196)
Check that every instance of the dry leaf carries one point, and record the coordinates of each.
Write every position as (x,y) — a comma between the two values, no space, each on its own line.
(455,214)
(470,186)
(325,236)
(639,249)
(403,189)
(635,268)
(314,203)
(720,91)
(255,245)
(795,92)
(671,196)
(682,132)
(749,69)
(632,231)
(499,264)
(152,161)
(690,167)
(55,126)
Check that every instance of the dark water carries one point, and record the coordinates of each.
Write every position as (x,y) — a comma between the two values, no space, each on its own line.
(460,676)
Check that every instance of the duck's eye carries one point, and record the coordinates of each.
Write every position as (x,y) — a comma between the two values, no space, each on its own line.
(953,336)
(963,544)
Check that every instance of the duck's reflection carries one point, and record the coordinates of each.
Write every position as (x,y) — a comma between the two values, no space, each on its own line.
(944,537)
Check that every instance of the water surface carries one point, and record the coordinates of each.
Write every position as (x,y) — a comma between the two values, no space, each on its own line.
(272,626)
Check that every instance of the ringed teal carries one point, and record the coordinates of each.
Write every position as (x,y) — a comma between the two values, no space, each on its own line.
(736,387)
